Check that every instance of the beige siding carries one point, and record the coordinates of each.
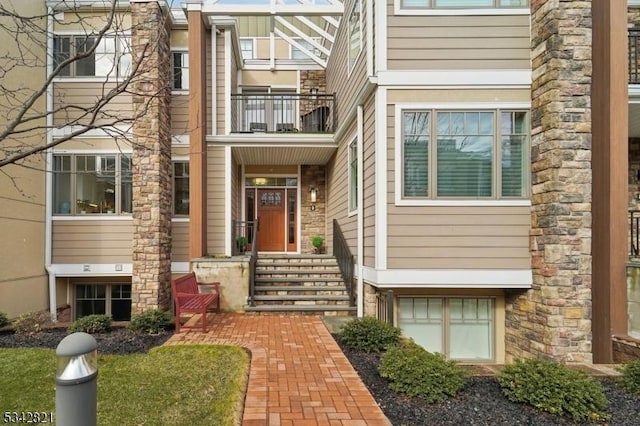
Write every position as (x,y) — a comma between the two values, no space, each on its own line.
(220,83)
(340,80)
(369,190)
(215,200)
(338,193)
(269,78)
(84,241)
(209,84)
(179,241)
(85,95)
(475,237)
(457,42)
(91,22)
(179,114)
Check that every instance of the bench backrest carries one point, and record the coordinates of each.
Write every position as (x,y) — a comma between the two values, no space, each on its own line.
(185,284)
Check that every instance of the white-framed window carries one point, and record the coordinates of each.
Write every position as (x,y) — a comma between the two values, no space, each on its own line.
(179,70)
(461,328)
(246,48)
(462,4)
(92,184)
(181,188)
(353,175)
(103,299)
(463,154)
(111,57)
(355,33)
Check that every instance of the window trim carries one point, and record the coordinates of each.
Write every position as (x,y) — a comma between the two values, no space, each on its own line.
(113,77)
(352,197)
(400,200)
(174,90)
(476,11)
(108,307)
(175,160)
(446,323)
(253,41)
(73,215)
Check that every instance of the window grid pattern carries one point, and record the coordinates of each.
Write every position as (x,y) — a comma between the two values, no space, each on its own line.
(103,299)
(181,188)
(180,70)
(111,56)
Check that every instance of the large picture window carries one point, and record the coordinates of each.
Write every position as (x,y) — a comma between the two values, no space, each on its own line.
(111,57)
(460,328)
(92,184)
(464,154)
(462,4)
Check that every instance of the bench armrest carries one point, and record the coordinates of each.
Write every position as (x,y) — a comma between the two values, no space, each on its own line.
(215,284)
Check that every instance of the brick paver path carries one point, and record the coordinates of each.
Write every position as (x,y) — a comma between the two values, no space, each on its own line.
(298,374)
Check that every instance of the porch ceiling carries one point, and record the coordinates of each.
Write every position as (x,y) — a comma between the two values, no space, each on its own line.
(282,155)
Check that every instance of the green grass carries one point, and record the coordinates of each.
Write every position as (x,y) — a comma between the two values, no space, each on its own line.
(171,385)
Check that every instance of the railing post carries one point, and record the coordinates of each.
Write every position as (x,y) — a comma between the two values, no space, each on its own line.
(389,306)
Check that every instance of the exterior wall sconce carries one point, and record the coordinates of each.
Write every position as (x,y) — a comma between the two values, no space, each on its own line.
(313,197)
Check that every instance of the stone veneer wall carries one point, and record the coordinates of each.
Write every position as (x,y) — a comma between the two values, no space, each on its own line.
(313,222)
(151,159)
(553,319)
(311,79)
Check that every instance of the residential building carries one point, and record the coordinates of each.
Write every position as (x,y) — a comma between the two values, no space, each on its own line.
(441,149)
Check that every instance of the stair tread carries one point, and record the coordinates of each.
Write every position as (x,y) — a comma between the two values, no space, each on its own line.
(298,271)
(297,279)
(300,288)
(300,297)
(281,308)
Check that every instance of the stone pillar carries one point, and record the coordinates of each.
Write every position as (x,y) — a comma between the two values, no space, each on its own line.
(151,158)
(553,319)
(313,217)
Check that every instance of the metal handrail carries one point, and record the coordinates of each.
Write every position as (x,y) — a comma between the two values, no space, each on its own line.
(634,233)
(283,113)
(345,260)
(253,260)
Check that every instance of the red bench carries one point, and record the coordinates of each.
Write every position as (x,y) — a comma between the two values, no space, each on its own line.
(188,299)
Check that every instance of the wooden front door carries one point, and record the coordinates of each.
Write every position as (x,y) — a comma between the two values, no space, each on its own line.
(271,213)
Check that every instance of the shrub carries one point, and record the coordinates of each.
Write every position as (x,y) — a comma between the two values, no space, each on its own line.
(4,320)
(91,324)
(416,372)
(32,322)
(369,334)
(631,376)
(151,321)
(552,387)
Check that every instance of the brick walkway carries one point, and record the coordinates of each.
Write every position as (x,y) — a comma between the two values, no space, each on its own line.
(298,374)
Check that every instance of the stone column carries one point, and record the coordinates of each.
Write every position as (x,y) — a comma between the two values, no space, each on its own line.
(151,158)
(553,319)
(314,217)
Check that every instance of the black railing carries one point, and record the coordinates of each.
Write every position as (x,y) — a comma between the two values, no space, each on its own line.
(245,240)
(283,113)
(634,56)
(384,306)
(634,233)
(345,260)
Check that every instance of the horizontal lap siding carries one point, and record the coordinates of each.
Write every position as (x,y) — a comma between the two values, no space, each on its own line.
(94,241)
(220,83)
(215,200)
(179,114)
(180,241)
(368,190)
(457,42)
(85,95)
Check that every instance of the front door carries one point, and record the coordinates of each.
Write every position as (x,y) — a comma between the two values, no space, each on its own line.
(271,213)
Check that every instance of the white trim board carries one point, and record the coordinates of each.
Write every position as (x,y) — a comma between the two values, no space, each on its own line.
(104,269)
(449,278)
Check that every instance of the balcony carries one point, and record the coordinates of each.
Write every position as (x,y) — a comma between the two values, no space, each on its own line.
(634,56)
(283,113)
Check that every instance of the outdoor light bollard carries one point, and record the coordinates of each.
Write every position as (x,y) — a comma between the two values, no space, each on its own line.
(76,380)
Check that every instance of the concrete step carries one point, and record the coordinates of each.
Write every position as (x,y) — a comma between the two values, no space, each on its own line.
(299,279)
(299,297)
(328,310)
(310,288)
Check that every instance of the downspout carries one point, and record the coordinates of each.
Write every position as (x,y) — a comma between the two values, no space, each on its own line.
(49,178)
(360,219)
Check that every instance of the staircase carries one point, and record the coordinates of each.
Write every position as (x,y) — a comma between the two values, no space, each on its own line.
(309,284)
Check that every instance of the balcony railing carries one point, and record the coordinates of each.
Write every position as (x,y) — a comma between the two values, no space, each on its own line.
(283,113)
(634,56)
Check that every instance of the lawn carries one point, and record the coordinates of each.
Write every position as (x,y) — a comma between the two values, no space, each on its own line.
(170,385)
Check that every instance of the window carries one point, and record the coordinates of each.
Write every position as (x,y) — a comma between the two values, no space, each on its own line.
(299,54)
(92,184)
(353,175)
(246,48)
(459,328)
(462,4)
(111,57)
(355,33)
(181,188)
(464,154)
(180,70)
(103,299)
